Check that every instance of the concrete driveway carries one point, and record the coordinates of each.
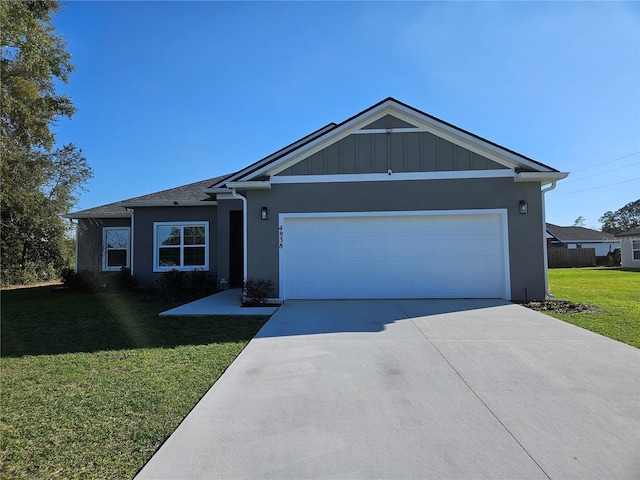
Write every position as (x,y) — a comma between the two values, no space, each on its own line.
(415,389)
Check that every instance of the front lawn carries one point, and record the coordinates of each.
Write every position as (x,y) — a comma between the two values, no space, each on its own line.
(92,384)
(615,292)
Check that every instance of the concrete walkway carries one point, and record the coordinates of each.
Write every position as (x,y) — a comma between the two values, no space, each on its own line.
(410,389)
(222,303)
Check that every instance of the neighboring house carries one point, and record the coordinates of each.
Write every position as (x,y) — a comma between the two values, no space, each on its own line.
(580,237)
(630,249)
(392,203)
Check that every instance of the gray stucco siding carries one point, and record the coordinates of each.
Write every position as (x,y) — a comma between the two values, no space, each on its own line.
(145,217)
(526,256)
(90,237)
(402,152)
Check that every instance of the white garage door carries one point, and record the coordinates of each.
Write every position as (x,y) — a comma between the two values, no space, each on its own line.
(394,255)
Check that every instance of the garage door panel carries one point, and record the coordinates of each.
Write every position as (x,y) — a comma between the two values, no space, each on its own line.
(387,256)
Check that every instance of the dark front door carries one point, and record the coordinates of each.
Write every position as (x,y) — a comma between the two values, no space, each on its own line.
(236,253)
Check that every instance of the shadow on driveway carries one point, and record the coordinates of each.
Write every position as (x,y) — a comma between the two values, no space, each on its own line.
(363,316)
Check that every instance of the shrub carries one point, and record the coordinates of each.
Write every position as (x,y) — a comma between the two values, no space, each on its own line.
(256,290)
(31,272)
(171,282)
(124,280)
(85,280)
(69,278)
(198,279)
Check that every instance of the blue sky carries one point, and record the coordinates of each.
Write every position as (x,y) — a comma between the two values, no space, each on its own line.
(170,93)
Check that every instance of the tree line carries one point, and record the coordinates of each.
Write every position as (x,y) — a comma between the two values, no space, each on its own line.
(40,178)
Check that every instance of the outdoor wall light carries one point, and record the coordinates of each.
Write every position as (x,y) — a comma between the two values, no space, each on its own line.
(263,213)
(524,208)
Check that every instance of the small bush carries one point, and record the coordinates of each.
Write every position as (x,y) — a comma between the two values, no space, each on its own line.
(124,281)
(171,282)
(256,290)
(69,277)
(199,279)
(88,281)
(85,280)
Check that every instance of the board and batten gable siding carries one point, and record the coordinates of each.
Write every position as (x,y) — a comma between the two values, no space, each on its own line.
(90,237)
(401,152)
(145,217)
(526,255)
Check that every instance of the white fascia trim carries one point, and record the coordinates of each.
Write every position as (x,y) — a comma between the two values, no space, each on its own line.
(385,177)
(250,185)
(543,177)
(216,190)
(112,215)
(177,203)
(502,212)
(227,195)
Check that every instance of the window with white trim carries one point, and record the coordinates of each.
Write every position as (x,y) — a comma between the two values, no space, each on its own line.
(180,246)
(635,249)
(115,243)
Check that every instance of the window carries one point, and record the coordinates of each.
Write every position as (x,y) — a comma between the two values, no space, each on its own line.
(180,245)
(635,249)
(116,248)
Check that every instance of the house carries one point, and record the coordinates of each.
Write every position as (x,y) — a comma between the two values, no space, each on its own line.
(630,248)
(391,202)
(580,237)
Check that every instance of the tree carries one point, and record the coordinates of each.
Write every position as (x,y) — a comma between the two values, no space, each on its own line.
(40,180)
(623,219)
(579,222)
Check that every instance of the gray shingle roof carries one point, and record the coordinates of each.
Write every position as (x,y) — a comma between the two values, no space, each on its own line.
(191,193)
(577,234)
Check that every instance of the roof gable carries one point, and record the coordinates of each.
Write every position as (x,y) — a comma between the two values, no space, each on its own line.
(391,116)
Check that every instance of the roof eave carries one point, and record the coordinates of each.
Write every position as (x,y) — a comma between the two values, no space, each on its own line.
(543,177)
(76,216)
(175,203)
(250,185)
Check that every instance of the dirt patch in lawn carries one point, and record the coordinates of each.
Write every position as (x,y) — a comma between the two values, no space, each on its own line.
(560,306)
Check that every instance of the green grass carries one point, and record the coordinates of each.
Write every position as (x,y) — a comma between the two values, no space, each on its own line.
(615,292)
(92,384)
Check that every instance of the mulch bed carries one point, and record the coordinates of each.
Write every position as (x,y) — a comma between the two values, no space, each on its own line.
(560,306)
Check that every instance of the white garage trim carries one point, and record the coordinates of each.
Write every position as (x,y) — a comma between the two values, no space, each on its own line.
(500,213)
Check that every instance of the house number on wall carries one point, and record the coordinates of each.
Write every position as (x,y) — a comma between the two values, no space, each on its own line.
(280,237)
